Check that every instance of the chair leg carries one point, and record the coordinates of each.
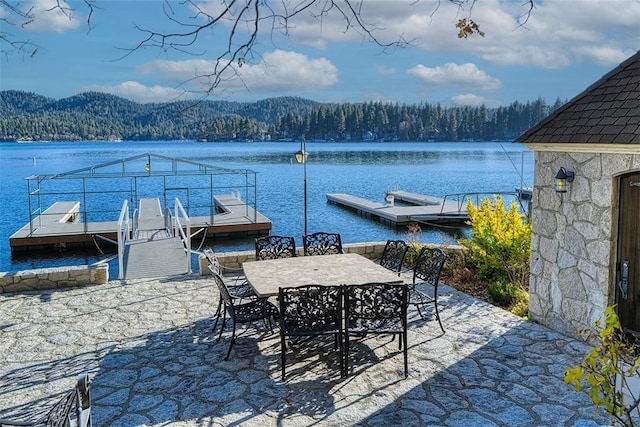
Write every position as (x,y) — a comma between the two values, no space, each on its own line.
(218,312)
(422,316)
(342,357)
(283,349)
(406,361)
(224,323)
(345,355)
(233,339)
(438,316)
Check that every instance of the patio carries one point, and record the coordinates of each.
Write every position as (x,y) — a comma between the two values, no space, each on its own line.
(154,361)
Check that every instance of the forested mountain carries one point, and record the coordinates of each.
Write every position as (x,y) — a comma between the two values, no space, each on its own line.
(100,116)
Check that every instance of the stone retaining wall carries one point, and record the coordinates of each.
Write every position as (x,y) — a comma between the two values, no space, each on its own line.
(53,278)
(234,260)
(62,277)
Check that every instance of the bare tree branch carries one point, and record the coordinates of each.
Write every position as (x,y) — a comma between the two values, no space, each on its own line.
(235,27)
(22,14)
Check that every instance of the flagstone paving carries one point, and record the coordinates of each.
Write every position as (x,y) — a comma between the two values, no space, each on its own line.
(154,360)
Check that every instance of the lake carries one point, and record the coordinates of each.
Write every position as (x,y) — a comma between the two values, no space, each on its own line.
(365,169)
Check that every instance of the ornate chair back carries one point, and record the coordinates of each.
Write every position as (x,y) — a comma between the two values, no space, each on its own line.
(322,243)
(273,247)
(427,270)
(393,255)
(428,266)
(212,259)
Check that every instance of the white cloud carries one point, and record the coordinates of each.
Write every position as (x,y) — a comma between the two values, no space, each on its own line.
(557,34)
(138,92)
(278,71)
(467,76)
(602,55)
(48,17)
(383,69)
(469,99)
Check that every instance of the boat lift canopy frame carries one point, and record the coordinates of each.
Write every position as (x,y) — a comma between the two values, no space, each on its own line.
(133,178)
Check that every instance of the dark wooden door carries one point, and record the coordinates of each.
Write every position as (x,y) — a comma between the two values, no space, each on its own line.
(628,262)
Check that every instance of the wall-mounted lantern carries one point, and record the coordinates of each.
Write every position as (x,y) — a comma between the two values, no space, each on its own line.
(563,179)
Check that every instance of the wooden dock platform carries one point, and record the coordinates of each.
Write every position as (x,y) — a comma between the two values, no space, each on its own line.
(47,231)
(414,198)
(427,209)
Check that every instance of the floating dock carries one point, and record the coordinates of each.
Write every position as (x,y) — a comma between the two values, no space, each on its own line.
(58,226)
(423,209)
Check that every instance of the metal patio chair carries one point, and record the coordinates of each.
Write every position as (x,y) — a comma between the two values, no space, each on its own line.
(376,308)
(393,255)
(232,273)
(239,288)
(242,312)
(310,311)
(73,410)
(322,243)
(274,247)
(426,273)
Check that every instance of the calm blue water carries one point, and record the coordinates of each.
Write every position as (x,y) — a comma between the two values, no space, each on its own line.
(362,169)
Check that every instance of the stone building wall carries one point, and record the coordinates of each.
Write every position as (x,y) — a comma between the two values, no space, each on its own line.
(573,246)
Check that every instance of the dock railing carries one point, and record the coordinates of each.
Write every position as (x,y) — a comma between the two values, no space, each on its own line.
(183,233)
(461,199)
(124,235)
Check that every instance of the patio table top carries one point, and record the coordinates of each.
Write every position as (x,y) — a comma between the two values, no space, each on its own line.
(343,269)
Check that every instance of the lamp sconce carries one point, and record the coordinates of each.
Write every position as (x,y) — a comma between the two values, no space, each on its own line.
(563,179)
(301,156)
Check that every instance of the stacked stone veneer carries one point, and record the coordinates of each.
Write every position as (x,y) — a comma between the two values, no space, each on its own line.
(53,278)
(573,246)
(234,260)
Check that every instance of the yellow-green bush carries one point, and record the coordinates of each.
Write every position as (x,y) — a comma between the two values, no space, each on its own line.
(606,370)
(500,243)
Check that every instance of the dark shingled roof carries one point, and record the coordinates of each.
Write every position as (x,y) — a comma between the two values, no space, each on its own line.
(608,112)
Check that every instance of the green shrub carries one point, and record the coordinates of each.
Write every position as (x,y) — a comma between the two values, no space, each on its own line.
(500,243)
(605,372)
(521,307)
(509,295)
(502,292)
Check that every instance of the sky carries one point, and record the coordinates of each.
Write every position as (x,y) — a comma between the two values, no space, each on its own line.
(563,47)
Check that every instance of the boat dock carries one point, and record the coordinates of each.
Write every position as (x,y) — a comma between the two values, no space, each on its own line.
(59,226)
(423,208)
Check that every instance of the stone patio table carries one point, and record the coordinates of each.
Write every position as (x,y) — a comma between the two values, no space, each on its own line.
(343,269)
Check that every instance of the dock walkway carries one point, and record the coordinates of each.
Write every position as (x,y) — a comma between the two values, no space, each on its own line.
(153,251)
(149,258)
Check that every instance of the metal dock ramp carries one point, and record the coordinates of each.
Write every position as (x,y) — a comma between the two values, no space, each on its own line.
(148,258)
(155,249)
